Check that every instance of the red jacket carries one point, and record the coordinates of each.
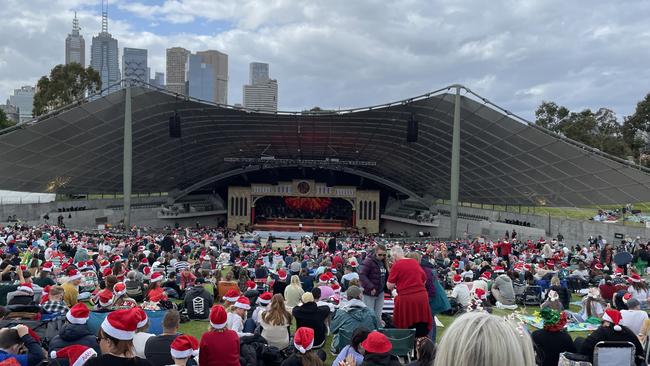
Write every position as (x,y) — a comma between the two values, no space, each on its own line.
(219,348)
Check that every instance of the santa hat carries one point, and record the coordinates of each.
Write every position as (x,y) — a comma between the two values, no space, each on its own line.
(105,298)
(47,267)
(324,278)
(81,265)
(76,354)
(243,303)
(251,285)
(353,263)
(157,276)
(25,287)
(243,264)
(303,340)
(232,295)
(634,278)
(457,278)
(119,289)
(90,264)
(146,271)
(598,266)
(627,297)
(218,317)
(78,314)
(104,264)
(142,317)
(121,324)
(73,274)
(336,287)
(376,343)
(498,269)
(265,298)
(282,274)
(486,276)
(107,271)
(184,346)
(619,271)
(144,261)
(613,316)
(480,293)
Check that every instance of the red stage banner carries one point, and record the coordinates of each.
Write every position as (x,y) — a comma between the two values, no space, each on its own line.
(308,203)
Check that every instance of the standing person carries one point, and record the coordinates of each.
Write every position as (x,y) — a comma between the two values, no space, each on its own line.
(275,322)
(438,300)
(373,276)
(412,303)
(219,346)
(155,350)
(116,340)
(552,340)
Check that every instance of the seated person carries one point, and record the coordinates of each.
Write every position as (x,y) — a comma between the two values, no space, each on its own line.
(460,295)
(611,330)
(14,340)
(634,317)
(75,331)
(552,301)
(310,315)
(352,315)
(55,304)
(503,290)
(198,302)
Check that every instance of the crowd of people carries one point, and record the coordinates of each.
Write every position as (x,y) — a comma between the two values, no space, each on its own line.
(279,305)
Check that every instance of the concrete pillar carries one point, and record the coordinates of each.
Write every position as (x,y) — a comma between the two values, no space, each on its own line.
(128,157)
(455,167)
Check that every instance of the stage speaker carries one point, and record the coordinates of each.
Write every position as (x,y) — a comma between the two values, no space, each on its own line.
(175,126)
(412,130)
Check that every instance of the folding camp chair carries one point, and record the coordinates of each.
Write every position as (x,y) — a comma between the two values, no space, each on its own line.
(403,341)
(614,354)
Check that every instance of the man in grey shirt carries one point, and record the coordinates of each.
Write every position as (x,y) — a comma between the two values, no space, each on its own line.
(503,291)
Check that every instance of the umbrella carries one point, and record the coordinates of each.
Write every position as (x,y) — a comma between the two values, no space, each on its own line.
(622,258)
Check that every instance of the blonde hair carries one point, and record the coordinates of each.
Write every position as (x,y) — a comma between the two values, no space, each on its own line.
(414,255)
(555,281)
(484,339)
(295,281)
(56,291)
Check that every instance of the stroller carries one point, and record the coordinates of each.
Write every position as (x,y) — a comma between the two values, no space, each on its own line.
(532,296)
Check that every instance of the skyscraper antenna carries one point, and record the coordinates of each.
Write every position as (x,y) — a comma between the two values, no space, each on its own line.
(104,16)
(75,25)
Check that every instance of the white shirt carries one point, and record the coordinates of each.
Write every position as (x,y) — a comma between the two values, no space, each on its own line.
(461,294)
(633,319)
(236,323)
(642,295)
(139,341)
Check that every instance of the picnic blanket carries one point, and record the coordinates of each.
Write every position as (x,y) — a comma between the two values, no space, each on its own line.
(536,321)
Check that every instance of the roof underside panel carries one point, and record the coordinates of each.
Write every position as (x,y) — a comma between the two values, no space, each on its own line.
(503,161)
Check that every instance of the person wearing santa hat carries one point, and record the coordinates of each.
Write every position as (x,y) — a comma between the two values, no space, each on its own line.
(503,291)
(610,330)
(305,355)
(237,315)
(460,294)
(263,302)
(77,355)
(155,289)
(220,345)
(105,300)
(71,287)
(116,340)
(639,289)
(230,297)
(75,331)
(184,347)
(280,283)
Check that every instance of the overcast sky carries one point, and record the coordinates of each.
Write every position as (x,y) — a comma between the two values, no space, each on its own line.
(350,53)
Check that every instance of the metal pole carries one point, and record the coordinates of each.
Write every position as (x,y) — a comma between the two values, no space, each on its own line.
(128,157)
(455,167)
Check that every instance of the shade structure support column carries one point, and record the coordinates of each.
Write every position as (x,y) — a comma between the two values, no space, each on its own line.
(128,157)
(455,168)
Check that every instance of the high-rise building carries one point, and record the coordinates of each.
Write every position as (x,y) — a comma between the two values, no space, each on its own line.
(104,56)
(75,46)
(11,112)
(159,79)
(262,92)
(207,76)
(23,101)
(134,65)
(176,69)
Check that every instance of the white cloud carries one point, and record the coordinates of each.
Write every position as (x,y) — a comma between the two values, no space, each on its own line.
(338,53)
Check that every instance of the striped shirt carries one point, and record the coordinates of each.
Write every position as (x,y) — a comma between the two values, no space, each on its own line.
(181,265)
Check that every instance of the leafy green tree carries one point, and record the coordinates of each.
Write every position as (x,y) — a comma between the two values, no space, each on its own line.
(66,84)
(636,129)
(4,121)
(549,115)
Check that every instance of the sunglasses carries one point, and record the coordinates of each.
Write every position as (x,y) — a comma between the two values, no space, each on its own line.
(381,255)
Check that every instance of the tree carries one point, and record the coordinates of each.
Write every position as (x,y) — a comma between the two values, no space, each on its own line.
(549,115)
(66,84)
(4,121)
(636,129)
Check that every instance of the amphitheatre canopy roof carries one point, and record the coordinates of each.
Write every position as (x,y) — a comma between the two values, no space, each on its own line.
(504,160)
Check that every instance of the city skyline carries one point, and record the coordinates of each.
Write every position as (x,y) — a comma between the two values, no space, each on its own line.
(334,55)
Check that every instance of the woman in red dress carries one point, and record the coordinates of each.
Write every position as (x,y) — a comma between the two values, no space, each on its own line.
(412,302)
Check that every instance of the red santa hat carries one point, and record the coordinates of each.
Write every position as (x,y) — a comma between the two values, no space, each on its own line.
(598,266)
(144,261)
(121,324)
(613,316)
(324,278)
(634,278)
(251,285)
(119,289)
(78,314)
(243,264)
(480,293)
(105,298)
(498,269)
(156,277)
(218,317)
(81,265)
(619,271)
(104,264)
(76,354)
(627,297)
(336,287)
(25,287)
(47,267)
(265,298)
(107,271)
(142,317)
(376,343)
(73,274)
(303,340)
(243,303)
(184,346)
(457,278)
(282,274)
(486,276)
(146,271)
(232,295)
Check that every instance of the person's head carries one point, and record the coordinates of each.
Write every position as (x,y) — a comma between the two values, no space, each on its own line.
(184,347)
(277,313)
(308,297)
(414,255)
(10,342)
(354,292)
(171,321)
(359,335)
(295,281)
(110,344)
(315,293)
(396,252)
(56,293)
(484,339)
(110,281)
(555,281)
(380,252)
(633,304)
(131,275)
(426,351)
(581,266)
(376,342)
